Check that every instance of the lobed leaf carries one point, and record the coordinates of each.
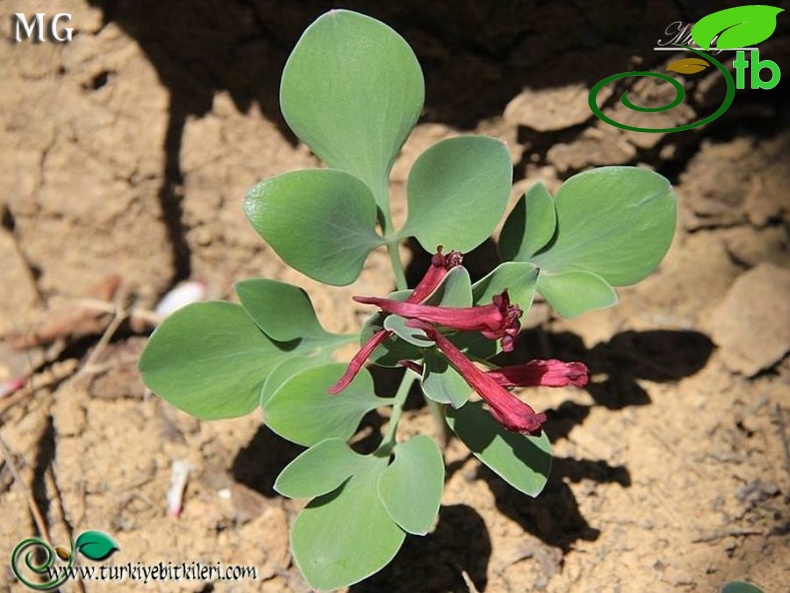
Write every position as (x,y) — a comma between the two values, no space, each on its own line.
(210,360)
(303,412)
(529,226)
(616,222)
(319,470)
(321,222)
(519,278)
(455,290)
(522,461)
(343,537)
(411,487)
(441,382)
(289,367)
(352,90)
(576,292)
(457,192)
(281,310)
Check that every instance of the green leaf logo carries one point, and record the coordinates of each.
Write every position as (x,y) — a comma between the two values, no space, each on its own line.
(736,27)
(95,545)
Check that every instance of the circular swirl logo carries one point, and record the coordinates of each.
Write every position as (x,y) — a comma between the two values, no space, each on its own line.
(680,94)
(24,564)
(94,545)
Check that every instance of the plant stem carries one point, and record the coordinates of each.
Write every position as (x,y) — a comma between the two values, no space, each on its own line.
(388,442)
(397,267)
(437,413)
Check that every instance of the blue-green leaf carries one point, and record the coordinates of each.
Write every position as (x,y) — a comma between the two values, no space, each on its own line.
(352,90)
(411,487)
(522,461)
(319,470)
(518,278)
(210,360)
(529,226)
(442,383)
(319,221)
(575,292)
(347,535)
(616,222)
(457,192)
(281,310)
(303,412)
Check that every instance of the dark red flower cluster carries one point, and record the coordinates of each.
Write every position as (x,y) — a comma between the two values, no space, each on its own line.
(496,321)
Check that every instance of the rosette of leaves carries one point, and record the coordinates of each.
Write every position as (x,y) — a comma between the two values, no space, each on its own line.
(352,90)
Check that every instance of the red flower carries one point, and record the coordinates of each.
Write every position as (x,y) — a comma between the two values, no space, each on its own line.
(497,320)
(549,373)
(506,408)
(359,359)
(535,373)
(440,265)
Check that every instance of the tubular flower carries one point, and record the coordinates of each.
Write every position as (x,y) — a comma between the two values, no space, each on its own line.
(440,265)
(359,359)
(548,373)
(500,319)
(506,408)
(535,373)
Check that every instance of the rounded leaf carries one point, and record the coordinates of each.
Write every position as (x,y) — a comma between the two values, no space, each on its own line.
(303,412)
(442,383)
(393,350)
(522,461)
(347,535)
(319,470)
(735,27)
(352,90)
(287,369)
(616,222)
(282,310)
(518,278)
(411,335)
(529,226)
(576,292)
(457,192)
(411,487)
(319,221)
(455,290)
(210,360)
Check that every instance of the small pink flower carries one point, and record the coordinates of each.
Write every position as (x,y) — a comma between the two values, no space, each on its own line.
(548,373)
(440,265)
(498,320)
(506,408)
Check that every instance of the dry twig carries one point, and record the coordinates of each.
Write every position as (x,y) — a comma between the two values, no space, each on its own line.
(41,524)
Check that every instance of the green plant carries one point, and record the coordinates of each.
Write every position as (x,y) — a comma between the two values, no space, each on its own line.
(353,90)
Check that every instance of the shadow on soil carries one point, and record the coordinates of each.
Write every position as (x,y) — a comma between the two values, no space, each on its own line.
(461,542)
(476,56)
